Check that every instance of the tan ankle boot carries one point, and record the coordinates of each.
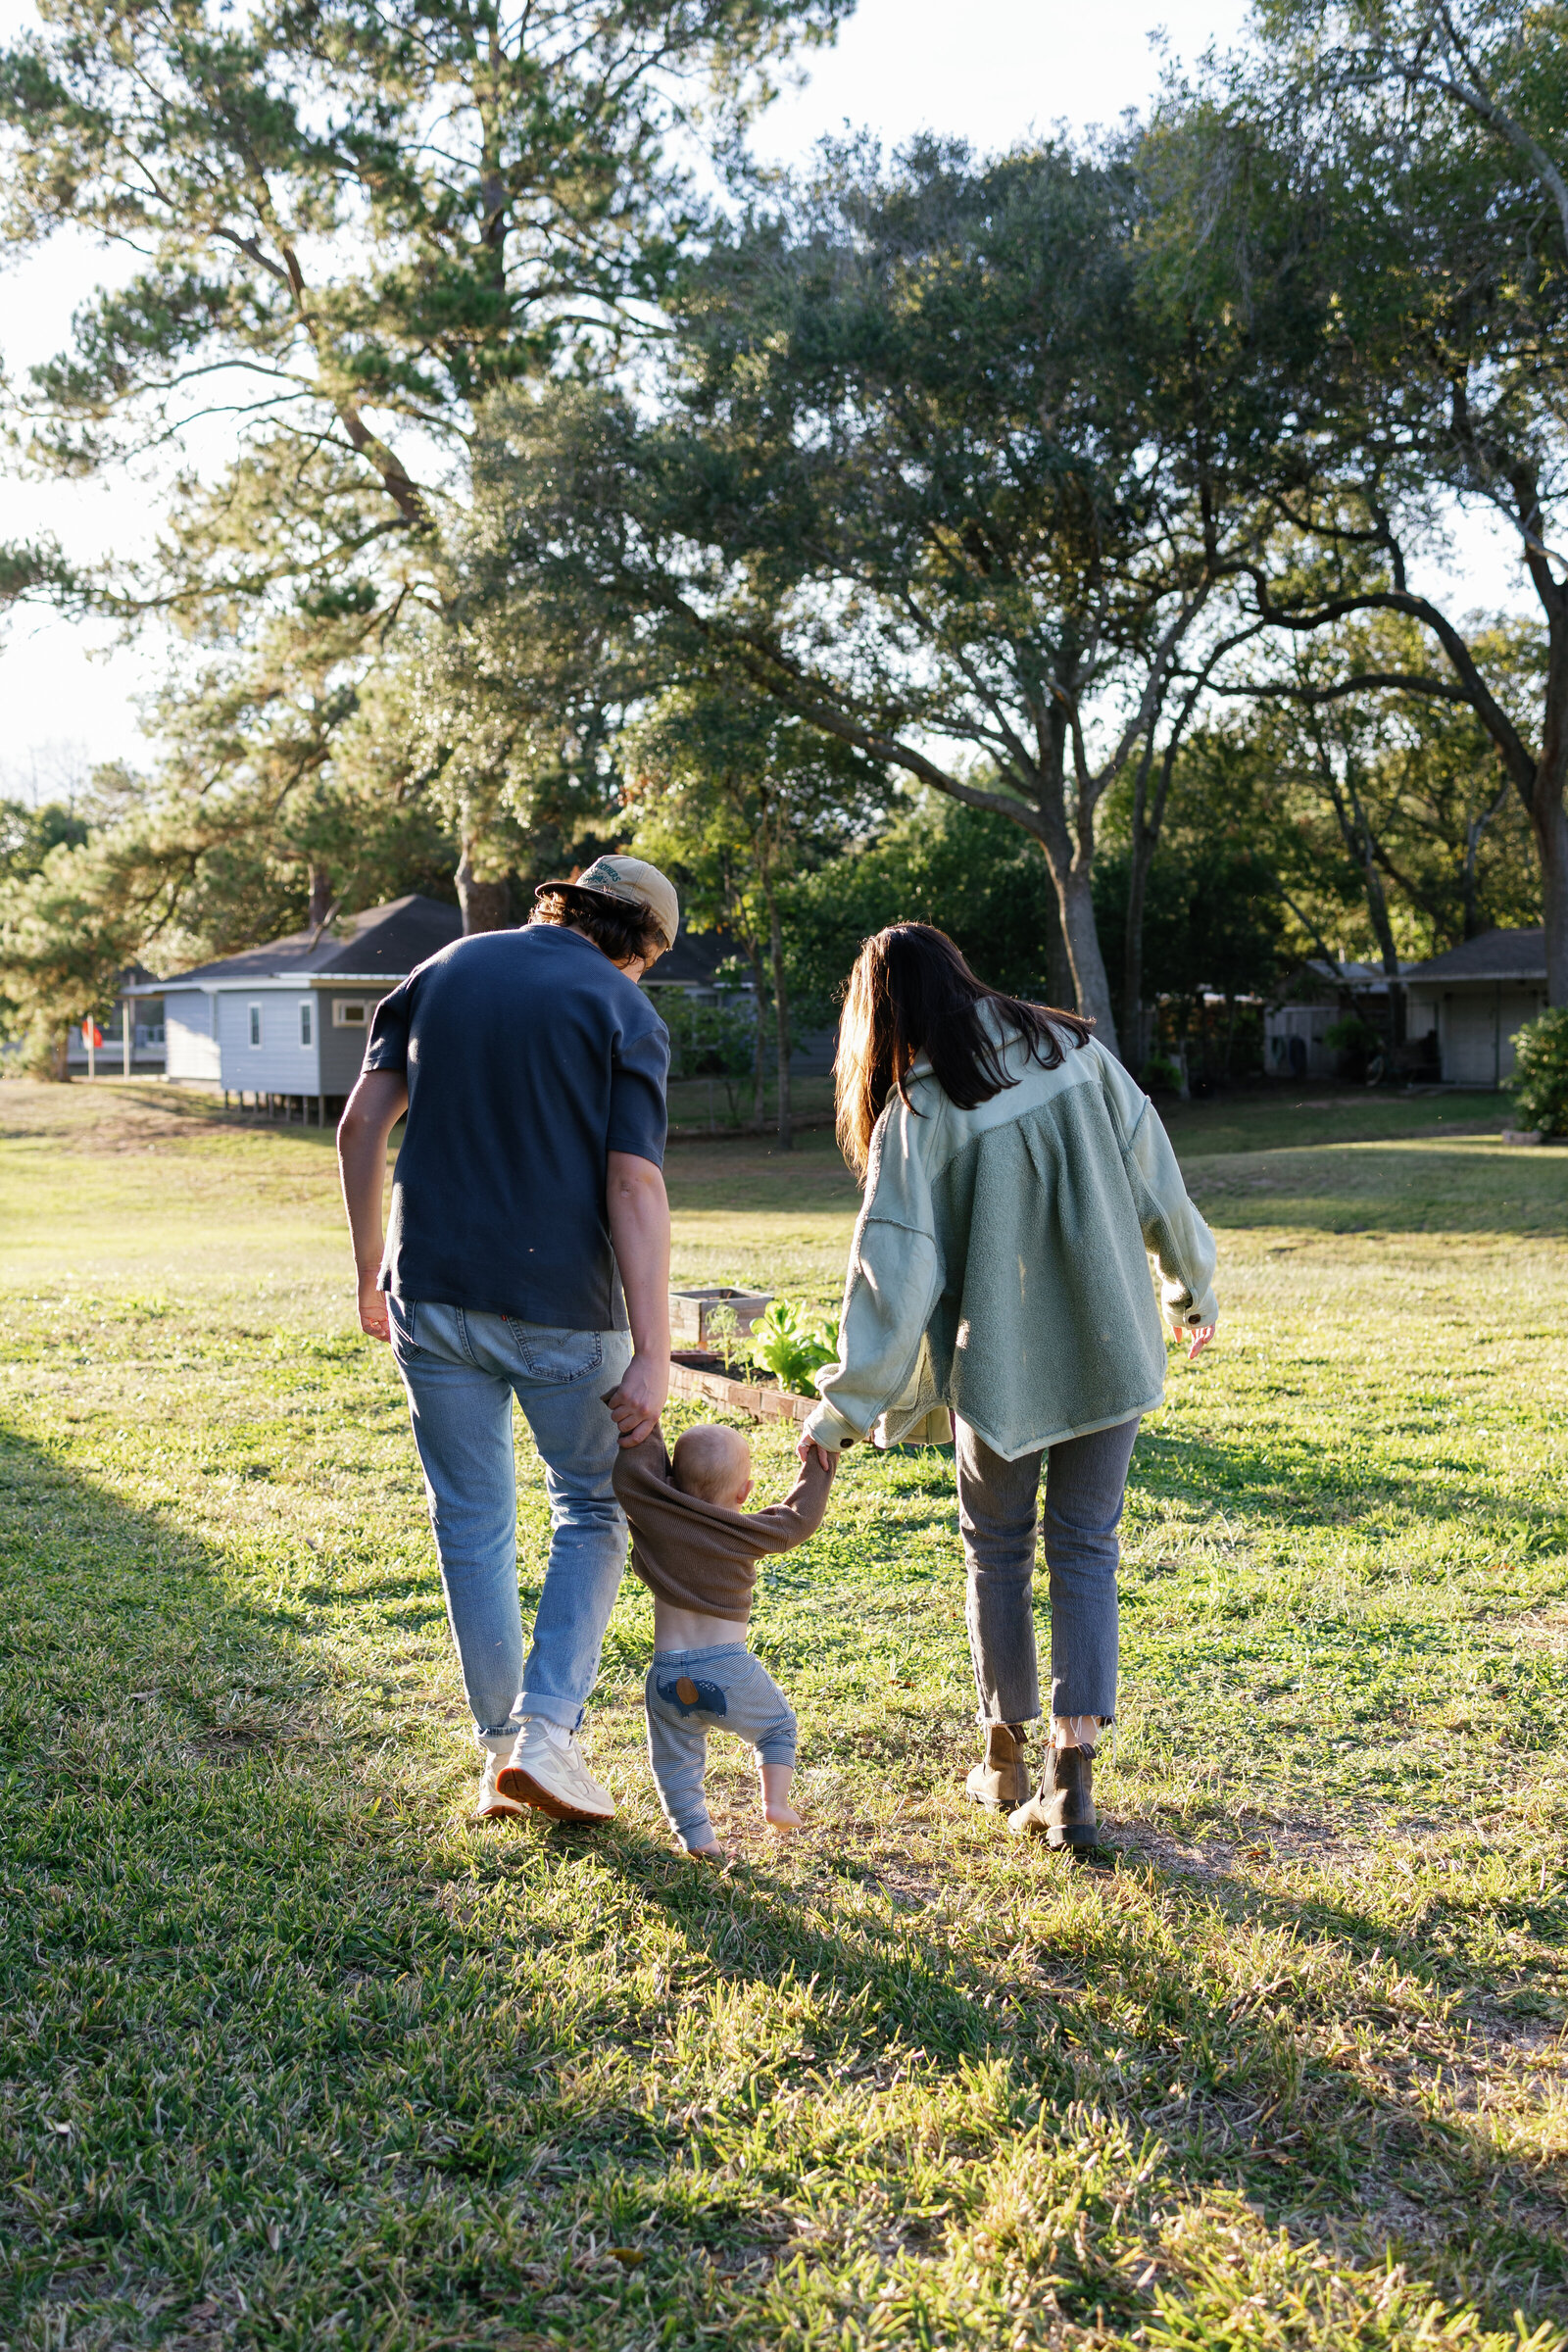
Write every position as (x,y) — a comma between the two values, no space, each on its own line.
(1000,1780)
(1062,1811)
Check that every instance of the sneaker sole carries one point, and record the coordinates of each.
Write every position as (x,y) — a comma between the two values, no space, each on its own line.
(503,1809)
(513,1781)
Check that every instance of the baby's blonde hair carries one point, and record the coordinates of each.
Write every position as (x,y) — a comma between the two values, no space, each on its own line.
(711,1462)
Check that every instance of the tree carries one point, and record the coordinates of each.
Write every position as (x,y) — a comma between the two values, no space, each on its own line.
(1425,140)
(1416,805)
(354,220)
(923,478)
(728,788)
(972,873)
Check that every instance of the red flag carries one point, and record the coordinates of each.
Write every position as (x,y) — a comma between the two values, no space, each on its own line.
(91,1035)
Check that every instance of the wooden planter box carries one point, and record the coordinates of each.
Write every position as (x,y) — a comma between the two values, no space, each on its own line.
(690,1313)
(696,1374)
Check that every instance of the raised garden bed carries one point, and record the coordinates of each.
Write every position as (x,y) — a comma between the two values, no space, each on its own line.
(691,1312)
(694,1373)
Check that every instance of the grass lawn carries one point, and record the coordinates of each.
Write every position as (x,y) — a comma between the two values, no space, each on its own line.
(294,2055)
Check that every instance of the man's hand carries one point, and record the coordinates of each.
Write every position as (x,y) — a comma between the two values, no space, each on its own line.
(635,1406)
(1200,1338)
(372,1304)
(807,1446)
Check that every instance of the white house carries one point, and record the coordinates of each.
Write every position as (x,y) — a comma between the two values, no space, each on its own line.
(1476,999)
(287,1023)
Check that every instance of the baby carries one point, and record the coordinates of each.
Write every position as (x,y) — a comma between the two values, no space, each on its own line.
(697,1551)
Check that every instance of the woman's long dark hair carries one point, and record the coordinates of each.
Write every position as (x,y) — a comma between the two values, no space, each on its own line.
(912,992)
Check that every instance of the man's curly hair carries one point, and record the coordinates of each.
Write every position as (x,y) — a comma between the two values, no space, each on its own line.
(622,931)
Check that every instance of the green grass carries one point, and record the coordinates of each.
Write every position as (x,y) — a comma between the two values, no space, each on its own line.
(291,2054)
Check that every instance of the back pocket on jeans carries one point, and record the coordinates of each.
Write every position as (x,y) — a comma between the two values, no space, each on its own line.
(563,1355)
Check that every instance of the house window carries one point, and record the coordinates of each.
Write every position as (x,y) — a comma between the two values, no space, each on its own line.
(349,1012)
(256,1024)
(305,1022)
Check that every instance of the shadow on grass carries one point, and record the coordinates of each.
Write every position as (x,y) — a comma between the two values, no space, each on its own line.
(1233,2098)
(258,2044)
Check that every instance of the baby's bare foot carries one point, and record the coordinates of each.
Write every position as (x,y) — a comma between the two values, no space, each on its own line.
(705,1853)
(782,1820)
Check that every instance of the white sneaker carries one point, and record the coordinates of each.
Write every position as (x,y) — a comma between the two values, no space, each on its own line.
(547,1771)
(492,1806)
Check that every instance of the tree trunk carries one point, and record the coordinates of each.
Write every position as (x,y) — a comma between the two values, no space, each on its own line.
(321,896)
(1132,970)
(486,906)
(760,1079)
(1549,825)
(1058,971)
(781,1020)
(1090,984)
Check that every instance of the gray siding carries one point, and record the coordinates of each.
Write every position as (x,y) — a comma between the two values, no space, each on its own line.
(343,1050)
(279,1064)
(190,1047)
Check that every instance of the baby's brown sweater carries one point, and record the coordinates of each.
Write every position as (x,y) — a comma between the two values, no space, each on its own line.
(703,1555)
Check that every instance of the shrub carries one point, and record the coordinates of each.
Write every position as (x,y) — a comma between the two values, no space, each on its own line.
(1158,1072)
(1539,1081)
(1351,1035)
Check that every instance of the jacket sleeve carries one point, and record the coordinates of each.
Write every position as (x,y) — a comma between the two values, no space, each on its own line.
(1182,1245)
(893,1282)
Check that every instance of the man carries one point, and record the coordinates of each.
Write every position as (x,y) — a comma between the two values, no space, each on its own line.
(534,1072)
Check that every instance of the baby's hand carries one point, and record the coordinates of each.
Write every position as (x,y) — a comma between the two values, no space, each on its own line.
(808,1445)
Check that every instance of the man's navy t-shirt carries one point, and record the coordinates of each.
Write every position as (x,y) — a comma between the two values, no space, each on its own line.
(529,1056)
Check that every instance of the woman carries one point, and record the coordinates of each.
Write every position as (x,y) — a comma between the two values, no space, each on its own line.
(1015,1178)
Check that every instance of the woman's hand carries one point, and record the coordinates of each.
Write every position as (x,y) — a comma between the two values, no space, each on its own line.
(1200,1338)
(807,1446)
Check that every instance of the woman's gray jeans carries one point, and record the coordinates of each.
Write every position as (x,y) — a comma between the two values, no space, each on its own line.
(1086,1478)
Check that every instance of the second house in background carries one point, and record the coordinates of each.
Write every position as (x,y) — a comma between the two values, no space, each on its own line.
(291,1019)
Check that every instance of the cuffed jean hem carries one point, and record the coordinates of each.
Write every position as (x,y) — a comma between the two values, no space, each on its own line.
(548,1709)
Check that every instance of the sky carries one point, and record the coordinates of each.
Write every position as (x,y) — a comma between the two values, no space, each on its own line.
(987,71)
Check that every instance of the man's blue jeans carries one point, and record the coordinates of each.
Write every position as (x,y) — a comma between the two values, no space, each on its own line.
(461,1369)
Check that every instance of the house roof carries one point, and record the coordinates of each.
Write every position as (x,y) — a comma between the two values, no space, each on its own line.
(1494,955)
(384,943)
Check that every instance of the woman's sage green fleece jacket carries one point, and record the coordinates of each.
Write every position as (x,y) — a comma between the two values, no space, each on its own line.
(999,1266)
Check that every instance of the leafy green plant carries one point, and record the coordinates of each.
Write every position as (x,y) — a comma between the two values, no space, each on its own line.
(1351,1035)
(1158,1072)
(722,1327)
(1539,1081)
(792,1343)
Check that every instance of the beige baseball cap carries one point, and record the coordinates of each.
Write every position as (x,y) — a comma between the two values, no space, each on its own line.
(635,883)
